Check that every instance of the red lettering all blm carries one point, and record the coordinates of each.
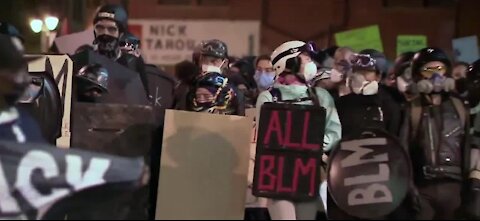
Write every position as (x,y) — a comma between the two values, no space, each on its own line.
(287,174)
(289,130)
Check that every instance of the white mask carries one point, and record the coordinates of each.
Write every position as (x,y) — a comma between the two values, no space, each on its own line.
(359,85)
(212,68)
(309,71)
(336,76)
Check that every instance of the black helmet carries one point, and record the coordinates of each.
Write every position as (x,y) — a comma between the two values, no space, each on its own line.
(222,92)
(473,71)
(426,55)
(10,30)
(402,62)
(94,76)
(472,83)
(214,48)
(380,59)
(115,13)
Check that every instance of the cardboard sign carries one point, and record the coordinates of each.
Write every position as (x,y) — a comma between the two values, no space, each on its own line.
(289,151)
(61,67)
(368,174)
(68,44)
(203,167)
(253,201)
(414,43)
(35,176)
(466,49)
(361,38)
(168,42)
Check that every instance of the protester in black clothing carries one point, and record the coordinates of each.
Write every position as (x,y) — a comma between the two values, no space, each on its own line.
(367,105)
(241,75)
(435,131)
(212,59)
(15,124)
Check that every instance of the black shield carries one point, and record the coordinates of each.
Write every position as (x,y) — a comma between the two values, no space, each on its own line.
(44,102)
(34,176)
(289,151)
(124,130)
(124,85)
(369,174)
(161,86)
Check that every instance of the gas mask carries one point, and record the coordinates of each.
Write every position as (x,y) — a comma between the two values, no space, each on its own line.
(436,84)
(309,71)
(107,45)
(360,85)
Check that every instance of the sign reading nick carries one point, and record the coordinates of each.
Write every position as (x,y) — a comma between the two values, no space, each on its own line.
(289,151)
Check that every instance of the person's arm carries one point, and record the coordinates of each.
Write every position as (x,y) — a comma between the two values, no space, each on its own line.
(404,133)
(333,127)
(262,98)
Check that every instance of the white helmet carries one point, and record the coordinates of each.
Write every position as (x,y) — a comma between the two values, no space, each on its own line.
(283,53)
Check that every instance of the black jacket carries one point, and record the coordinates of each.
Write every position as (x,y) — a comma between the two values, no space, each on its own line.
(359,111)
(438,142)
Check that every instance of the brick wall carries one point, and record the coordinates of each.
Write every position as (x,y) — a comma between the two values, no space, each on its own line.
(316,20)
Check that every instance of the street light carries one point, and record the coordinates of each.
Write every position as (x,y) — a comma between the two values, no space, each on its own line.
(47,28)
(36,25)
(51,22)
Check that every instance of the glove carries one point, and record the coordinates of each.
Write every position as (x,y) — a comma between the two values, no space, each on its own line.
(414,198)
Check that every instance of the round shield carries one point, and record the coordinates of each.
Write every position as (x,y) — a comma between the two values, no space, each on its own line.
(369,174)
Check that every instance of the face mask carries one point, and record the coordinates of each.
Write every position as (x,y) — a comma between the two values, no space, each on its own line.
(264,79)
(292,91)
(309,71)
(359,85)
(204,105)
(336,76)
(436,84)
(211,68)
(107,45)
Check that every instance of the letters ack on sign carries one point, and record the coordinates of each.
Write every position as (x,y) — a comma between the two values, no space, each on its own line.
(289,151)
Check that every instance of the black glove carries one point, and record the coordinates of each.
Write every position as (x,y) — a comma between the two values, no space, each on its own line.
(414,198)
(472,199)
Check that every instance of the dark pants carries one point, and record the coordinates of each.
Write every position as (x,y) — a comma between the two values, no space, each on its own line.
(256,214)
(439,199)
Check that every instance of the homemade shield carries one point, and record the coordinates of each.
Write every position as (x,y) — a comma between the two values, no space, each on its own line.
(289,151)
(203,169)
(35,176)
(52,114)
(368,174)
(124,130)
(124,85)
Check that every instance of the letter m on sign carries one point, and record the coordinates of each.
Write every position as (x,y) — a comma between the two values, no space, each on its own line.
(289,151)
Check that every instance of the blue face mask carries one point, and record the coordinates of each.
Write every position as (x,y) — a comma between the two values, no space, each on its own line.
(264,79)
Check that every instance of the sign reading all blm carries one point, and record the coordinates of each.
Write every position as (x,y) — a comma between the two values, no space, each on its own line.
(289,151)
